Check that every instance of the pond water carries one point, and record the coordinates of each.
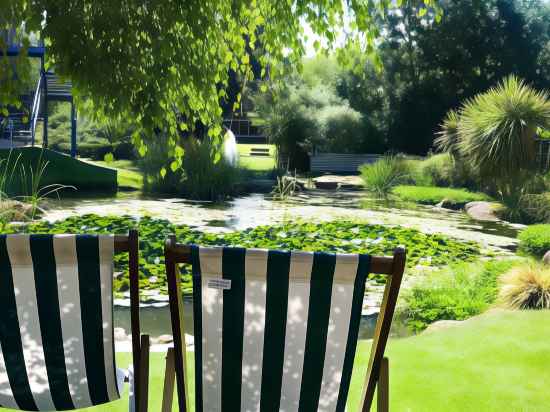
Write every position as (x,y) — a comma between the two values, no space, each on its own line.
(314,205)
(257,209)
(155,321)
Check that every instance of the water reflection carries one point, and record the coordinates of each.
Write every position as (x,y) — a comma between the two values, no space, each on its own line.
(156,321)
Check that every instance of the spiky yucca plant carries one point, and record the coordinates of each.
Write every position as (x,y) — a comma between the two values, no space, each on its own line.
(526,287)
(497,128)
(447,138)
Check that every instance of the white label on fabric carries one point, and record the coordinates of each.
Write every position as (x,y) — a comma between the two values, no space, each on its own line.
(219,284)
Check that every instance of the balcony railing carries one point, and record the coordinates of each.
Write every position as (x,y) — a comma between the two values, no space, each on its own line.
(14,40)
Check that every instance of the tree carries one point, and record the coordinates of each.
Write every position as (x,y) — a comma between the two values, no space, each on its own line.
(164,64)
(431,68)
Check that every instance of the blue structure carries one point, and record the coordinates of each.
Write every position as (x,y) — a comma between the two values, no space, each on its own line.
(19,128)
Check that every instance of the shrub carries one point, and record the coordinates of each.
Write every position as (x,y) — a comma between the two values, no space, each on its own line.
(288,124)
(124,151)
(438,170)
(443,170)
(526,287)
(433,195)
(457,292)
(382,176)
(340,129)
(206,173)
(530,209)
(535,240)
(303,118)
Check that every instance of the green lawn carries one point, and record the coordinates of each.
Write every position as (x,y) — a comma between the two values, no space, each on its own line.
(433,195)
(128,175)
(257,163)
(495,362)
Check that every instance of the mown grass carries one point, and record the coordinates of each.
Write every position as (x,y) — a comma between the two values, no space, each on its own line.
(128,175)
(432,195)
(257,163)
(494,362)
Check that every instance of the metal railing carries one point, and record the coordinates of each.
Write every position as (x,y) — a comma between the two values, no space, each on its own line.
(14,38)
(35,111)
(243,128)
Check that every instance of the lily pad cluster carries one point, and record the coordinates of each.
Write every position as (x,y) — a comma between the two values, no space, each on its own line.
(338,236)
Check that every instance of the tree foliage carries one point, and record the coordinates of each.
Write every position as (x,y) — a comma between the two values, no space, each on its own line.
(165,64)
(305,116)
(430,68)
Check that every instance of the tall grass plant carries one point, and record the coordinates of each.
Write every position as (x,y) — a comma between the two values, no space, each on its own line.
(382,176)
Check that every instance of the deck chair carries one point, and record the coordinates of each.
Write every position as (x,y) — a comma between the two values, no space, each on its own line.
(56,322)
(276,331)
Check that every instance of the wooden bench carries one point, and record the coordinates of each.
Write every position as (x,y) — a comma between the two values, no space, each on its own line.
(340,162)
(260,151)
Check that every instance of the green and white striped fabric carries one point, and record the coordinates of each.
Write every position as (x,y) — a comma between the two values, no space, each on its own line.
(56,322)
(275,331)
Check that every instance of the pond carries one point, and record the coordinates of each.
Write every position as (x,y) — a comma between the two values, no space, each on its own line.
(257,209)
(314,205)
(155,321)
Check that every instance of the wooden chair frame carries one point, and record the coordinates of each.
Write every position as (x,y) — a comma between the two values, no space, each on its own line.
(140,343)
(378,369)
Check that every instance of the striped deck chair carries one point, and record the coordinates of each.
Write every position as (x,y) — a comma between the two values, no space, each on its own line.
(56,322)
(276,331)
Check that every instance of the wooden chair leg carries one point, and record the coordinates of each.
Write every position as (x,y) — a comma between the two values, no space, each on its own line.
(143,397)
(169,380)
(383,394)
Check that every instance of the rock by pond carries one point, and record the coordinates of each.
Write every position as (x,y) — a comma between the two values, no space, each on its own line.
(333,182)
(482,211)
(450,204)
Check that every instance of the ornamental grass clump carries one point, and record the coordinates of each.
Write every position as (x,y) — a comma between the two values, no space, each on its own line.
(526,287)
(384,175)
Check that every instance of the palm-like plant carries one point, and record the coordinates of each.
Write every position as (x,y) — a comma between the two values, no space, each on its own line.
(447,138)
(497,129)
(494,133)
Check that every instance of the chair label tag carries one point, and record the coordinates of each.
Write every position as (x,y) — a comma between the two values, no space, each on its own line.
(224,284)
